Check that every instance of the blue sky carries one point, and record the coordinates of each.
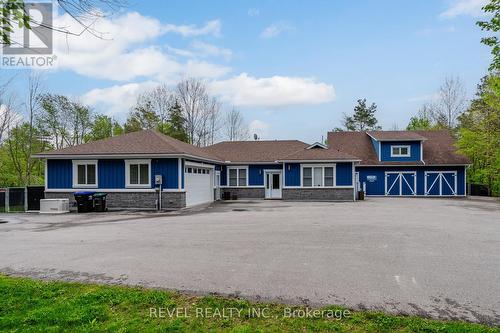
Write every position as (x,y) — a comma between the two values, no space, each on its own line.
(291,67)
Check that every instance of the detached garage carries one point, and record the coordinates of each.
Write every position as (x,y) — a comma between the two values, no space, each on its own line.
(199,184)
(405,163)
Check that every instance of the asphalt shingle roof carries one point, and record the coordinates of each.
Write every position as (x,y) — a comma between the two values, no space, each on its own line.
(438,148)
(142,142)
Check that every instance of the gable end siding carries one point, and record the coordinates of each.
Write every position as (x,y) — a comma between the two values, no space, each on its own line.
(414,151)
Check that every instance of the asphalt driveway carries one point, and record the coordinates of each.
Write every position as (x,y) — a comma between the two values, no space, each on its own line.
(432,257)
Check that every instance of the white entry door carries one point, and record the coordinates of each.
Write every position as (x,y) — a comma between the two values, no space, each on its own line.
(273,184)
(199,185)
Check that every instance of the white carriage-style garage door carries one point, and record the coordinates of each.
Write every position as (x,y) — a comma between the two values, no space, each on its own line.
(440,183)
(198,185)
(400,183)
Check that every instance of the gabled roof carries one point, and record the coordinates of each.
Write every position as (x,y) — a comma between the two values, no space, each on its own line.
(438,148)
(147,142)
(396,135)
(255,151)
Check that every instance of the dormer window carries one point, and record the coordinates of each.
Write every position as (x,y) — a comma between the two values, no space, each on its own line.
(400,151)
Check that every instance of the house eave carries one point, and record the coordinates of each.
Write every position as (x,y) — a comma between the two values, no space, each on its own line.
(124,156)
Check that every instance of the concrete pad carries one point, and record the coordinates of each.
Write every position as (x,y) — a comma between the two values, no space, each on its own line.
(432,257)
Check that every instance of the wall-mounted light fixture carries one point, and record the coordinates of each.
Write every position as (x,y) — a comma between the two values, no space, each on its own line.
(289,167)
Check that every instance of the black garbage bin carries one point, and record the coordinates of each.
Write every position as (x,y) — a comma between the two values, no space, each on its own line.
(85,201)
(100,202)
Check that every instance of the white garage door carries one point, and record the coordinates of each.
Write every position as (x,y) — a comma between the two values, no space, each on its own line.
(199,185)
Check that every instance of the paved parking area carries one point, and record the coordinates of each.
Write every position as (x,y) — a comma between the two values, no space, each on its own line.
(433,257)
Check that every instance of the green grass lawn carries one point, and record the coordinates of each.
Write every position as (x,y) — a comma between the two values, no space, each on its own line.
(36,306)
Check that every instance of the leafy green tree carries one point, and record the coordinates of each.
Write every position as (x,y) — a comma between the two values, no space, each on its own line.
(419,123)
(363,118)
(493,25)
(27,170)
(102,128)
(66,122)
(479,135)
(117,129)
(141,117)
(12,13)
(176,126)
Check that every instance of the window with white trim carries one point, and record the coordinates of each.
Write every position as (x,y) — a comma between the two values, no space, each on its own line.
(237,176)
(84,174)
(137,173)
(318,175)
(400,151)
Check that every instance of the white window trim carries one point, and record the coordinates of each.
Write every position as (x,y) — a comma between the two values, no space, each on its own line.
(127,173)
(76,163)
(323,166)
(401,146)
(215,174)
(237,175)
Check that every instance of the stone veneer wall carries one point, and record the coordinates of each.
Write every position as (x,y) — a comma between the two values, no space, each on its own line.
(318,194)
(131,200)
(245,193)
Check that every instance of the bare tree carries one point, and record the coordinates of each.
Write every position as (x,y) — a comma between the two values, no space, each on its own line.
(8,117)
(159,101)
(33,105)
(450,104)
(234,126)
(200,111)
(210,126)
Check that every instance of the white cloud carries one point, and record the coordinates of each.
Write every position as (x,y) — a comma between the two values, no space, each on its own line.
(464,7)
(259,127)
(206,49)
(253,12)
(120,54)
(275,29)
(244,90)
(210,28)
(202,69)
(118,99)
(199,49)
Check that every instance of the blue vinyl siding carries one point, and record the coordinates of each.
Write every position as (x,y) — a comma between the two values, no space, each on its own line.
(59,174)
(378,187)
(344,174)
(292,174)
(111,173)
(256,173)
(168,168)
(414,151)
(223,175)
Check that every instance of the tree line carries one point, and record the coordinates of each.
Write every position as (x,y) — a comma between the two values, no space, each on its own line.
(46,121)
